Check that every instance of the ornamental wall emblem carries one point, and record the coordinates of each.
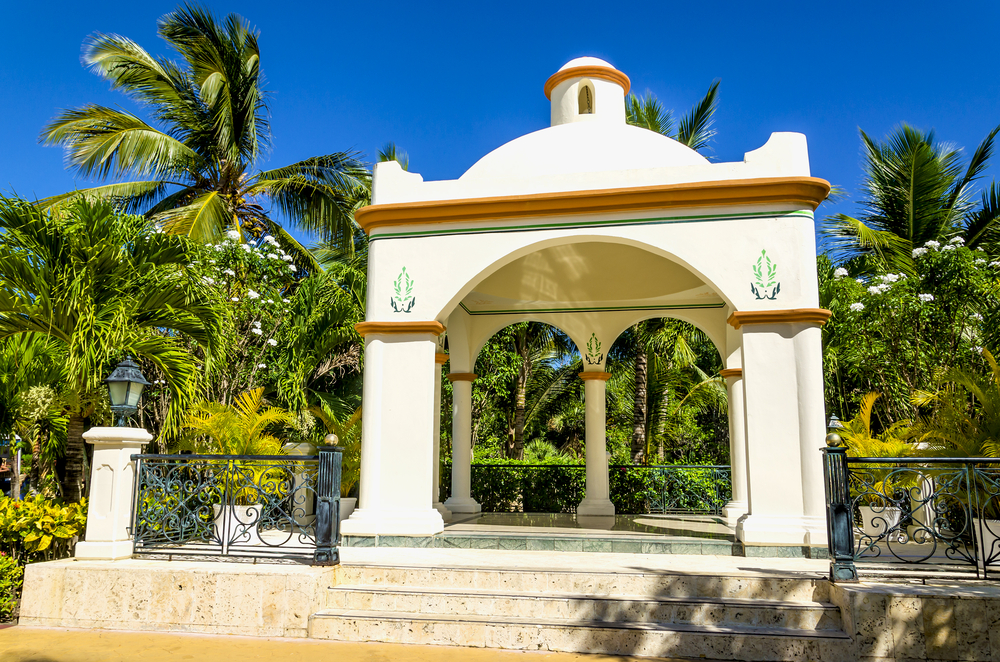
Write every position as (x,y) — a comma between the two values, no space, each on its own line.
(594,356)
(765,273)
(403,300)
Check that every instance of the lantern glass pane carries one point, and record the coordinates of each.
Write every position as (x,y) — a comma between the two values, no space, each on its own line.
(135,390)
(117,391)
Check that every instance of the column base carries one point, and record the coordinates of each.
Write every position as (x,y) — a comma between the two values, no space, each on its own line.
(595,507)
(782,530)
(395,522)
(445,513)
(733,511)
(463,505)
(104,551)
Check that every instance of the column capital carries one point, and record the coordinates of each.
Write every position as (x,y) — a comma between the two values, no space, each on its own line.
(602,376)
(816,316)
(440,358)
(726,373)
(398,328)
(132,437)
(462,377)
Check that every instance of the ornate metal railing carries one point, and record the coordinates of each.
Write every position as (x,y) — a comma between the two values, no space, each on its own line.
(634,489)
(938,514)
(261,506)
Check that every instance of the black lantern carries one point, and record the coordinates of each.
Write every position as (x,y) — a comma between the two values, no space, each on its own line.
(833,428)
(125,385)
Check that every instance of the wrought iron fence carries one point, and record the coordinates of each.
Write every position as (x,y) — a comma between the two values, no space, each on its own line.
(935,513)
(634,489)
(260,506)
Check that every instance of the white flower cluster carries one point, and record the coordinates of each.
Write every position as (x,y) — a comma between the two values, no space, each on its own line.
(926,297)
(979,260)
(977,349)
(229,272)
(252,294)
(261,365)
(892,278)
(840,273)
(995,263)
(917,252)
(957,240)
(949,247)
(272,342)
(933,244)
(233,234)
(977,317)
(857,307)
(878,289)
(256,329)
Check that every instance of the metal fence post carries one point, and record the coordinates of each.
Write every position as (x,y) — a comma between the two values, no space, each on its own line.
(839,513)
(328,506)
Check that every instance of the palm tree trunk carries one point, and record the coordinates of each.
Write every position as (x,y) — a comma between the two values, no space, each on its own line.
(35,476)
(640,406)
(72,486)
(522,392)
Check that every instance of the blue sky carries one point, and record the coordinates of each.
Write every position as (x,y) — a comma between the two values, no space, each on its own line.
(449,82)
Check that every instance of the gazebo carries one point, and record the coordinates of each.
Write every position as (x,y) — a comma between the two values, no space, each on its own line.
(592,225)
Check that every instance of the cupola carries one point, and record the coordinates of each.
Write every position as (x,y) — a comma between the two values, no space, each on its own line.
(587,89)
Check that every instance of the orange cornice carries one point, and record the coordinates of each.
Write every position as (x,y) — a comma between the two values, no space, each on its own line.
(817,316)
(396,328)
(462,377)
(440,358)
(603,376)
(805,191)
(731,372)
(587,71)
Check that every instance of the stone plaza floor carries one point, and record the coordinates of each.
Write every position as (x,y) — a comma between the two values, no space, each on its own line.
(22,644)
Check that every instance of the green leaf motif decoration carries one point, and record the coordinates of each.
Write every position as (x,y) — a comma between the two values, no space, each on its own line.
(765,274)
(594,356)
(403,300)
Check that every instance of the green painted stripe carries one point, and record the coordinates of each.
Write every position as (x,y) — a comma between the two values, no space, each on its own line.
(598,309)
(661,220)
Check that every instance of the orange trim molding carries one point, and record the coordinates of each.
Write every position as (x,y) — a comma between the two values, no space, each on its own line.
(603,376)
(731,372)
(462,377)
(396,328)
(587,71)
(804,191)
(817,316)
(440,358)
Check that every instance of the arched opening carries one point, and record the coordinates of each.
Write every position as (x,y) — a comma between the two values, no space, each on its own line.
(666,390)
(586,100)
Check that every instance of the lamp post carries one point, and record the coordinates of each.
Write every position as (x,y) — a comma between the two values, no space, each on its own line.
(125,384)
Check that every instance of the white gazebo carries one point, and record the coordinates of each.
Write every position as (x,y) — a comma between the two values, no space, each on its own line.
(592,225)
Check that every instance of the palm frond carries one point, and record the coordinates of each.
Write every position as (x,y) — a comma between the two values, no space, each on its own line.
(695,128)
(648,113)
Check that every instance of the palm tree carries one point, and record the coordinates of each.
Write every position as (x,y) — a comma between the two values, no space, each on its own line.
(916,190)
(242,428)
(102,284)
(192,168)
(695,128)
(966,422)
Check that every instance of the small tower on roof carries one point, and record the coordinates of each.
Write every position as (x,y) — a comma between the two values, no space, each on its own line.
(587,89)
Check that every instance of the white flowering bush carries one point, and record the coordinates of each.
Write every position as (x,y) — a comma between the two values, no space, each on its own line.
(893,332)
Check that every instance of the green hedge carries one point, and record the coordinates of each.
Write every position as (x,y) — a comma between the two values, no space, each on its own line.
(505,486)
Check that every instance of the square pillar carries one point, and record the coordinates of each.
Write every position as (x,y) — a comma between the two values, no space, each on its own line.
(112,476)
(439,360)
(783,389)
(398,431)
(738,506)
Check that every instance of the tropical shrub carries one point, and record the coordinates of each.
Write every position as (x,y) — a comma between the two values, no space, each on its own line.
(11,580)
(39,529)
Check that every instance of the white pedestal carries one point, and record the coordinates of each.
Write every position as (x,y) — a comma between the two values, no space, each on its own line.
(112,477)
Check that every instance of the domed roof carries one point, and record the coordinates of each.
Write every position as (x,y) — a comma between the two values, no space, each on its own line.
(583,147)
(586,62)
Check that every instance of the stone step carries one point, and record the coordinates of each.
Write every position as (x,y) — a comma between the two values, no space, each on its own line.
(747,643)
(642,584)
(568,606)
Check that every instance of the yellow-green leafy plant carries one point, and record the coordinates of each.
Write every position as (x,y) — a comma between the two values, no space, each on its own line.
(11,580)
(39,529)
(243,428)
(891,442)
(348,431)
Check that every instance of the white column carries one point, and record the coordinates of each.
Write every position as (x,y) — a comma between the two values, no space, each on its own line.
(398,431)
(439,360)
(112,476)
(783,389)
(738,505)
(461,500)
(596,501)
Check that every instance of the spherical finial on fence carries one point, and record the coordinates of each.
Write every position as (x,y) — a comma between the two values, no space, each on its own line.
(331,439)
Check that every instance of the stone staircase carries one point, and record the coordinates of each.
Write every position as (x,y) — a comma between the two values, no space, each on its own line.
(658,614)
